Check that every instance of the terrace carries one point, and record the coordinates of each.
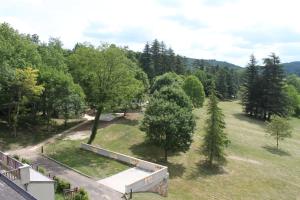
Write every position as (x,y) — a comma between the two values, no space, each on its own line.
(23,176)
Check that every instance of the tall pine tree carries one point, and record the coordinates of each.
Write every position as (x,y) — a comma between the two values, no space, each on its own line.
(273,97)
(146,62)
(215,139)
(250,98)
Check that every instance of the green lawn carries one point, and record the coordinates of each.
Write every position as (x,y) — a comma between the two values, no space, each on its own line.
(69,153)
(255,170)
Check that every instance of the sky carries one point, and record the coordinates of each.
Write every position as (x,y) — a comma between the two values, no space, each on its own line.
(226,30)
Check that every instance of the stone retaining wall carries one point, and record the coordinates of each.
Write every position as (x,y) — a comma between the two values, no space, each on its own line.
(157,181)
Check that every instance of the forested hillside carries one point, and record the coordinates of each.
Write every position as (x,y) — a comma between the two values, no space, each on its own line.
(292,67)
(39,81)
(193,63)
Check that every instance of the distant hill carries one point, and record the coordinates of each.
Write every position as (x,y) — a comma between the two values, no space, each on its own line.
(209,62)
(292,67)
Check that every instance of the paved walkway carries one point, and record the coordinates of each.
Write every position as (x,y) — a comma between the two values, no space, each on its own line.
(129,176)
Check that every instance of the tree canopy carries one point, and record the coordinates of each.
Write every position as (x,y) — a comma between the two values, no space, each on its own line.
(168,121)
(194,89)
(107,76)
(279,128)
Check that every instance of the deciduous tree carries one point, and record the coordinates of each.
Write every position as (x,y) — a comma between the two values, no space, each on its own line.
(194,89)
(168,121)
(279,128)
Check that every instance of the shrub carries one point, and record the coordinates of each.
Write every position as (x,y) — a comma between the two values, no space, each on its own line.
(42,170)
(61,185)
(81,195)
(17,157)
(26,161)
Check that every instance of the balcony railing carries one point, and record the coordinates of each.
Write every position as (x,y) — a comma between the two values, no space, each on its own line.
(12,175)
(9,162)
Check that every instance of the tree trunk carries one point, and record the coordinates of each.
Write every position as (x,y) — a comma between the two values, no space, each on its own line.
(166,155)
(65,122)
(277,138)
(9,117)
(95,125)
(15,120)
(211,159)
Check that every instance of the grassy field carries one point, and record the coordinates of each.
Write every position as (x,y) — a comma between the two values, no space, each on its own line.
(255,169)
(69,153)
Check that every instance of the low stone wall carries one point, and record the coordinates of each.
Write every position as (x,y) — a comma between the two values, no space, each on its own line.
(148,166)
(157,181)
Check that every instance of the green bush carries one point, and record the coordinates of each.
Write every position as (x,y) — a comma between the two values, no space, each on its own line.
(61,185)
(42,170)
(17,157)
(81,195)
(26,161)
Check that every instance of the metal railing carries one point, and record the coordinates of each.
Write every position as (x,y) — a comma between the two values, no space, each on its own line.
(69,194)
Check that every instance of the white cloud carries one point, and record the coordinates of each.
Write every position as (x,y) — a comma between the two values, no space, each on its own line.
(226,29)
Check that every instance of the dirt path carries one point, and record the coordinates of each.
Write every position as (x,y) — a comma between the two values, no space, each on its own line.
(32,151)
(245,160)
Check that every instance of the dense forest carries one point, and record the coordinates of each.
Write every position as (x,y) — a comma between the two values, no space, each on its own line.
(39,81)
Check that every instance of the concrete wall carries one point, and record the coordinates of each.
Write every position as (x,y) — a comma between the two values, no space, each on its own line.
(41,190)
(156,182)
(25,174)
(149,166)
(148,183)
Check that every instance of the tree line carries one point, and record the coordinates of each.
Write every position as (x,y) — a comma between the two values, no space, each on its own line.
(267,91)
(40,81)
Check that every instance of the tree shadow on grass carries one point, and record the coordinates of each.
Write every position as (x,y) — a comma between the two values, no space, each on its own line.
(247,118)
(151,153)
(27,136)
(276,151)
(203,170)
(175,169)
(147,151)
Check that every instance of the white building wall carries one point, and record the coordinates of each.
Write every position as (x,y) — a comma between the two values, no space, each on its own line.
(41,190)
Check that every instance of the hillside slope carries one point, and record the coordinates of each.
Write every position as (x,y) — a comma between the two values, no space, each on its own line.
(292,67)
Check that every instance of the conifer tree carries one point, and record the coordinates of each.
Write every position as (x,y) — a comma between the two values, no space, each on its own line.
(221,84)
(156,57)
(250,97)
(215,139)
(146,61)
(274,99)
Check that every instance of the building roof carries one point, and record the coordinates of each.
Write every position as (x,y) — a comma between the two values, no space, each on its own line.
(10,191)
(38,177)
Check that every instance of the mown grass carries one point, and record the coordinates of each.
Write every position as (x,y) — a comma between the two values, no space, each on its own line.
(255,169)
(69,153)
